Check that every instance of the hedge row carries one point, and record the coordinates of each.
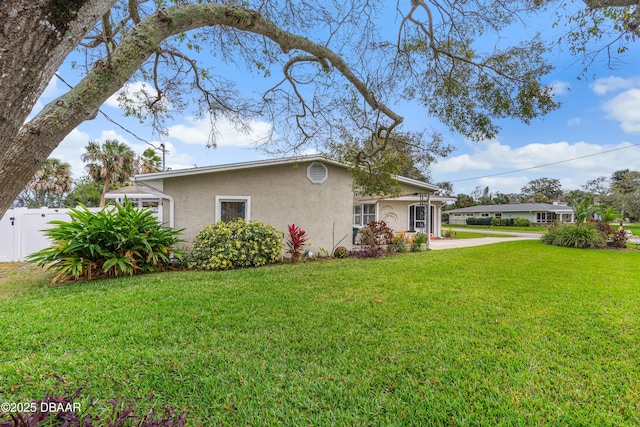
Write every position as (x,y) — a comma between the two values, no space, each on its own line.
(498,222)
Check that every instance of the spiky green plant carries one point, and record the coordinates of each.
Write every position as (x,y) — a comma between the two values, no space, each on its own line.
(116,241)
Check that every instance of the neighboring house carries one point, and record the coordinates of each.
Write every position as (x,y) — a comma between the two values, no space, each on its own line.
(312,192)
(536,213)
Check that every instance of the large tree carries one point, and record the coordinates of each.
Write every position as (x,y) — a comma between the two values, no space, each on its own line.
(541,190)
(336,63)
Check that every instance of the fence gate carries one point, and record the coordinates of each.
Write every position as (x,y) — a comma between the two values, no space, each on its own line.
(21,231)
(7,237)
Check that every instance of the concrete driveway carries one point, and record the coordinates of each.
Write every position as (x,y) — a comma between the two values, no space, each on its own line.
(439,244)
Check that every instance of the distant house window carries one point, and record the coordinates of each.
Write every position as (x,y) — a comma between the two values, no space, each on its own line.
(363,214)
(469,214)
(317,173)
(498,215)
(229,208)
(542,217)
(484,214)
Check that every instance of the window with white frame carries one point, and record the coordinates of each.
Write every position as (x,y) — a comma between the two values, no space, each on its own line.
(498,215)
(363,214)
(229,208)
(542,217)
(417,217)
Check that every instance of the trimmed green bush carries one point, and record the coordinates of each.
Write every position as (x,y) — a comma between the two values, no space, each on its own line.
(116,241)
(521,222)
(580,236)
(496,222)
(236,244)
(479,221)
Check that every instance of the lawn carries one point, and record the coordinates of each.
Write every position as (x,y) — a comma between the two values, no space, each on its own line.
(489,228)
(515,333)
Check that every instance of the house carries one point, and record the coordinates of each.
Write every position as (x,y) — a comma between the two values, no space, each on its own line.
(313,192)
(536,213)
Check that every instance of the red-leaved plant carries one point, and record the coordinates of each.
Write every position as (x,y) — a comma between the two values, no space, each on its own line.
(296,241)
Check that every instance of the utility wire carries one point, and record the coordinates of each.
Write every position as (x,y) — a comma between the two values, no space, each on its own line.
(547,164)
(161,148)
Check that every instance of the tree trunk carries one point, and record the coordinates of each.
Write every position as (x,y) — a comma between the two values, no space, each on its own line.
(105,189)
(35,38)
(24,148)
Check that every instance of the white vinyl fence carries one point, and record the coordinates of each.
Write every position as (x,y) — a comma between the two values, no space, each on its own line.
(21,231)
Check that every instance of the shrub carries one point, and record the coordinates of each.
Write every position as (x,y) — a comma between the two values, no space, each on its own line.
(399,242)
(450,233)
(575,236)
(496,222)
(340,252)
(71,413)
(116,241)
(374,235)
(417,242)
(521,222)
(236,244)
(615,238)
(296,241)
(479,221)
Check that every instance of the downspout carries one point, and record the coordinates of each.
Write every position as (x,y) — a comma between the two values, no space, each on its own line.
(149,189)
(429,221)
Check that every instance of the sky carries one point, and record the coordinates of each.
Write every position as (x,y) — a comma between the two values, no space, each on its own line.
(597,125)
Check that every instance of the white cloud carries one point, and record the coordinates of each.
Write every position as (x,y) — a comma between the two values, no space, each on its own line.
(560,88)
(226,134)
(493,158)
(70,150)
(614,84)
(625,108)
(576,121)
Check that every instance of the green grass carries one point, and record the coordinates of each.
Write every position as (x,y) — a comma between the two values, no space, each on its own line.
(635,229)
(461,234)
(516,333)
(491,227)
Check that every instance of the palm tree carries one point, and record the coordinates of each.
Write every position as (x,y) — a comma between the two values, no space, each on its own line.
(585,210)
(49,184)
(609,214)
(110,163)
(148,162)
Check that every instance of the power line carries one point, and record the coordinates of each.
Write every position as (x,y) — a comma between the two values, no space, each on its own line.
(106,116)
(547,164)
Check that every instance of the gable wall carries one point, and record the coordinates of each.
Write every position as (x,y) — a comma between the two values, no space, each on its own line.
(280,195)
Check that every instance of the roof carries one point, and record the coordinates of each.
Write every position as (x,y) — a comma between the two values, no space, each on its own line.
(129,192)
(266,163)
(126,190)
(517,207)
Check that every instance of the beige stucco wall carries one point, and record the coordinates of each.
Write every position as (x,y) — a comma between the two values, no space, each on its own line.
(280,195)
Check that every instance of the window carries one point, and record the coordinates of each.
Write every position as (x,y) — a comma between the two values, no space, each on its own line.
(498,215)
(417,217)
(485,215)
(469,214)
(542,217)
(363,214)
(231,207)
